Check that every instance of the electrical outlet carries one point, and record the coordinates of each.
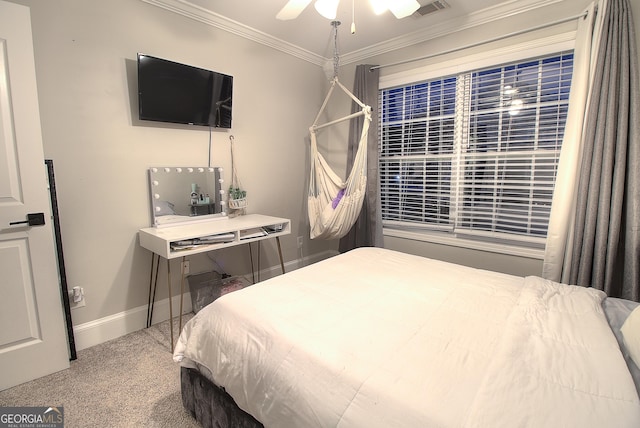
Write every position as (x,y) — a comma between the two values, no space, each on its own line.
(300,241)
(76,298)
(185,267)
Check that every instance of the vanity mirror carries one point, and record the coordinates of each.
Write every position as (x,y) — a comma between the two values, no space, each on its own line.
(186,194)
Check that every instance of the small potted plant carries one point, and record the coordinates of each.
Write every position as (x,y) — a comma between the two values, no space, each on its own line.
(237,197)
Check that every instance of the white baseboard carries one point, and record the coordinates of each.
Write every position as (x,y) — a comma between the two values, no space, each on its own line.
(113,326)
(104,329)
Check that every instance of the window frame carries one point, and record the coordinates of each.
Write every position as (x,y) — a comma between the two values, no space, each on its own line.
(442,66)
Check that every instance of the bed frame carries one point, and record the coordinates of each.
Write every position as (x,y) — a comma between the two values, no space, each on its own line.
(210,405)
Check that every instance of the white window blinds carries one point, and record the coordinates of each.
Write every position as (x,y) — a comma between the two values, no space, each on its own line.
(475,153)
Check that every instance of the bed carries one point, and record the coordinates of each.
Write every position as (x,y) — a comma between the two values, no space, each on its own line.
(378,338)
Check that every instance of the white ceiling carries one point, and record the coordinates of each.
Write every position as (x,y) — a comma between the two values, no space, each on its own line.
(310,36)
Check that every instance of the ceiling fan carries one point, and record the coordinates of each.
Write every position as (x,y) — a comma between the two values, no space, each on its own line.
(329,8)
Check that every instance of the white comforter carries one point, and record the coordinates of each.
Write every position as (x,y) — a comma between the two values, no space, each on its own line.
(376,338)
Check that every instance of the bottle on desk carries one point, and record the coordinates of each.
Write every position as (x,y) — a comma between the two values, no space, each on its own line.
(194,194)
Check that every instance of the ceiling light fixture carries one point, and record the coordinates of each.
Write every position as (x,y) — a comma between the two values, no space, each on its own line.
(402,8)
(329,8)
(379,6)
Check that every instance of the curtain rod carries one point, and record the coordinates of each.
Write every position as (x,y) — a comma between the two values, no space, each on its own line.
(473,45)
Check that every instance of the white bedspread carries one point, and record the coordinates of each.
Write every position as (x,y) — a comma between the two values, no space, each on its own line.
(376,338)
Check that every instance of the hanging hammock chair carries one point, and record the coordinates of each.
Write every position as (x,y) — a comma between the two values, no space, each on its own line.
(334,204)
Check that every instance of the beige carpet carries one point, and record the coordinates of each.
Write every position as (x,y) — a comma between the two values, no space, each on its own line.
(127,382)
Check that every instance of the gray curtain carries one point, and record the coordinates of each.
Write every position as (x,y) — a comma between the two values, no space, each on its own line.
(367,231)
(606,251)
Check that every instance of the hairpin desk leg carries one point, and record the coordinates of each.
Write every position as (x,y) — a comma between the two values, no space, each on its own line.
(181,294)
(170,304)
(280,253)
(253,271)
(153,285)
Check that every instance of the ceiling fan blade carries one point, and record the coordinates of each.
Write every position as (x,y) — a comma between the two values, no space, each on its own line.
(292,9)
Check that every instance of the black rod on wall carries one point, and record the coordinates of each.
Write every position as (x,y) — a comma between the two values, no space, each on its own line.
(64,291)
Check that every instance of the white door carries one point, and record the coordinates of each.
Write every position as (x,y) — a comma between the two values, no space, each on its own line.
(33,340)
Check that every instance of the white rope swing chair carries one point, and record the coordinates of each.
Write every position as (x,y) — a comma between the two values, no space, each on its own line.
(334,204)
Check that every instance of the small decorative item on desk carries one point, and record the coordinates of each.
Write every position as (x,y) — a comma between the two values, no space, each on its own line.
(237,196)
(194,194)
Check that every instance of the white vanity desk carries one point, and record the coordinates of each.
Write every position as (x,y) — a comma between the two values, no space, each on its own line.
(216,233)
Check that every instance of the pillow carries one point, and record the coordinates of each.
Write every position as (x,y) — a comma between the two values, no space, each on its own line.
(631,334)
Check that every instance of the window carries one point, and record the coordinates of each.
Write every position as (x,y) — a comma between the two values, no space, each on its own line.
(475,154)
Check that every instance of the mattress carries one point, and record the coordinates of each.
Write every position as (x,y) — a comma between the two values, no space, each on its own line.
(379,338)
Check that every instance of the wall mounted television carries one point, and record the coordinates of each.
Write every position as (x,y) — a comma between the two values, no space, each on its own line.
(178,93)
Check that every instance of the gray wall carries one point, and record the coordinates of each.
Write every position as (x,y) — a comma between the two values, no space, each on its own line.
(85,54)
(85,63)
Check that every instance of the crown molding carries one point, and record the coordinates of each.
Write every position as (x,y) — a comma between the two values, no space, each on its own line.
(503,10)
(513,52)
(197,13)
(444,28)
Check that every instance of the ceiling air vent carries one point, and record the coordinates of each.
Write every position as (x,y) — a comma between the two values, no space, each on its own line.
(431,8)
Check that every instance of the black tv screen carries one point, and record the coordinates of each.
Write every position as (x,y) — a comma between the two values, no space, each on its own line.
(179,93)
